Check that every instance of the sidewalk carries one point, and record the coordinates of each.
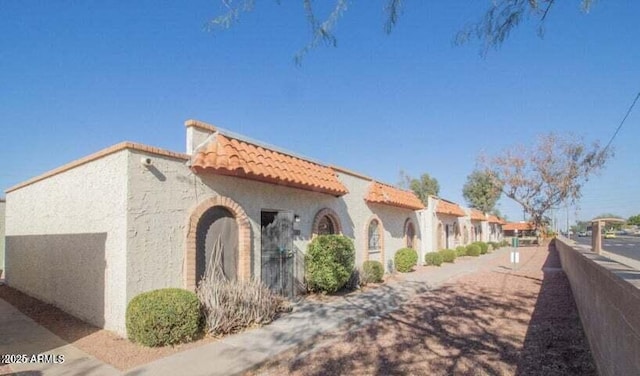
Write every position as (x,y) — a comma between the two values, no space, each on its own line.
(237,353)
(635,264)
(20,335)
(241,352)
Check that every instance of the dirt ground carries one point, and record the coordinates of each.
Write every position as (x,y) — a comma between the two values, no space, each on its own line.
(497,321)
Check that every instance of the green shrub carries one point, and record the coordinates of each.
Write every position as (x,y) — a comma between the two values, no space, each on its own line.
(484,247)
(494,246)
(372,272)
(405,259)
(163,317)
(329,263)
(461,251)
(504,243)
(473,250)
(433,258)
(448,255)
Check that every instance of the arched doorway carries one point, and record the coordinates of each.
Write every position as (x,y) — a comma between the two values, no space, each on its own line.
(217,223)
(214,214)
(409,234)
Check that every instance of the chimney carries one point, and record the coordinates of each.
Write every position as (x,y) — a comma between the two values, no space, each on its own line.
(197,133)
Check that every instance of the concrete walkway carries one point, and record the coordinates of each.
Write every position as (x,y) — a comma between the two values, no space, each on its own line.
(237,353)
(19,335)
(241,352)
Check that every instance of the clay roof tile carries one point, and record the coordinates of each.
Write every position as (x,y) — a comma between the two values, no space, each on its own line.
(226,155)
(385,194)
(450,208)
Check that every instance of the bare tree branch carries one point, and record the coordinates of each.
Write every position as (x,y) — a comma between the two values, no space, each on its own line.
(547,174)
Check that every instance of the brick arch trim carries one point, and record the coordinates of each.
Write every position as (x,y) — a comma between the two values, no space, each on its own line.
(244,238)
(335,219)
(381,237)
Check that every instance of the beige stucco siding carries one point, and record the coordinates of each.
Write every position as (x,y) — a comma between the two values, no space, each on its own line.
(66,240)
(360,212)
(162,197)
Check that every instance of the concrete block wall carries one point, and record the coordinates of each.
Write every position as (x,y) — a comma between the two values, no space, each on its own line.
(607,294)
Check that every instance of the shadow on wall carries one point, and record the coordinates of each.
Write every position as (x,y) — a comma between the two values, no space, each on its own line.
(555,343)
(65,270)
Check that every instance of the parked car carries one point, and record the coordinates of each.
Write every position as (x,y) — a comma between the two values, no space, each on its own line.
(609,235)
(582,234)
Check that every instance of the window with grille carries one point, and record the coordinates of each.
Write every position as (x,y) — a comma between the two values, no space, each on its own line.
(374,235)
(326,226)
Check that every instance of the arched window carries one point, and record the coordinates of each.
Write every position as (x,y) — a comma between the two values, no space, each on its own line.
(374,235)
(374,239)
(325,226)
(326,222)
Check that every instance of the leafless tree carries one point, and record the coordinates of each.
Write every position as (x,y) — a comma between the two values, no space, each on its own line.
(546,174)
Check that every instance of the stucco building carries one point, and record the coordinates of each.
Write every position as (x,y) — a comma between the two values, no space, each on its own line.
(92,234)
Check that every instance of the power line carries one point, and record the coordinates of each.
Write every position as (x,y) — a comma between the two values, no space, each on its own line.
(622,122)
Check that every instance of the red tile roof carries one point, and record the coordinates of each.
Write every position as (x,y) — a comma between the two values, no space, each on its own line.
(495,219)
(448,207)
(385,194)
(477,215)
(229,156)
(520,226)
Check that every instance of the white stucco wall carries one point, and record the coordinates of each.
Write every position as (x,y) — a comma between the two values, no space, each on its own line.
(162,197)
(393,219)
(161,201)
(2,211)
(66,240)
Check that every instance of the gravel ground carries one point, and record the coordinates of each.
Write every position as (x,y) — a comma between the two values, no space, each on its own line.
(492,322)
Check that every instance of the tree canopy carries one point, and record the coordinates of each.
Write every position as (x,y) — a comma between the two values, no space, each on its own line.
(481,192)
(634,220)
(422,187)
(546,174)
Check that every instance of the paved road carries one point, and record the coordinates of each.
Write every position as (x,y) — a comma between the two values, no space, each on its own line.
(627,246)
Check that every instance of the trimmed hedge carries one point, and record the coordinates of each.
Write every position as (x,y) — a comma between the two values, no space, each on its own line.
(473,250)
(448,255)
(329,262)
(163,317)
(433,258)
(405,259)
(484,247)
(372,272)
(461,251)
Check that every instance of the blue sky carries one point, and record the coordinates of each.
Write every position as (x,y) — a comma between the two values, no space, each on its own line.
(76,77)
